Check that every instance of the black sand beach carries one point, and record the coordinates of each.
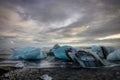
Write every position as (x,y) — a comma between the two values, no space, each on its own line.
(112,73)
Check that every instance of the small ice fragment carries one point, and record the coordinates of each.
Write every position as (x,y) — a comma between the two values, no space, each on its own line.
(46,77)
(6,75)
(19,65)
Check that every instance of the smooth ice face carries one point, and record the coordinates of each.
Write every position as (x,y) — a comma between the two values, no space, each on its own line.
(109,49)
(61,52)
(95,48)
(114,55)
(27,53)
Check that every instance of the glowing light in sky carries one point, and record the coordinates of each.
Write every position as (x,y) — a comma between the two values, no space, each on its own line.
(115,36)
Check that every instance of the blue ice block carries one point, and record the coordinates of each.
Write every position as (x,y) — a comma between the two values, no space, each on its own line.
(61,52)
(27,53)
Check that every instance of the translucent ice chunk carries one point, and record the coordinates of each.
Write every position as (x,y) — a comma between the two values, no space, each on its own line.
(46,77)
(62,52)
(19,65)
(114,55)
(27,53)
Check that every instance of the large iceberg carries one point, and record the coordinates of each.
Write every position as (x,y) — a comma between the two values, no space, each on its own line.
(87,59)
(62,52)
(102,51)
(27,53)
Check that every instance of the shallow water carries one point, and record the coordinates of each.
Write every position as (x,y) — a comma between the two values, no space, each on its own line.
(49,62)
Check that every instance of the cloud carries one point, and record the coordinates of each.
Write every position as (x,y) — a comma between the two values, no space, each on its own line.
(115,36)
(46,22)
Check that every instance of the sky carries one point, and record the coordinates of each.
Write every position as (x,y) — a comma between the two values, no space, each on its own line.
(43,23)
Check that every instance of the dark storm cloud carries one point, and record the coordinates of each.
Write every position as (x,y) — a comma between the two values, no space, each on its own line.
(106,29)
(56,10)
(43,10)
(45,20)
(94,14)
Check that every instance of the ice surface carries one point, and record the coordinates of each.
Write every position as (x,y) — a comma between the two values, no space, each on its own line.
(56,46)
(102,51)
(20,65)
(95,48)
(27,53)
(86,59)
(46,77)
(61,52)
(109,50)
(114,55)
(99,51)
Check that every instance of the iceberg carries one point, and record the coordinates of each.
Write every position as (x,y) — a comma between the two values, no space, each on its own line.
(102,51)
(62,52)
(56,46)
(86,59)
(95,48)
(20,65)
(108,50)
(27,53)
(114,56)
(46,77)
